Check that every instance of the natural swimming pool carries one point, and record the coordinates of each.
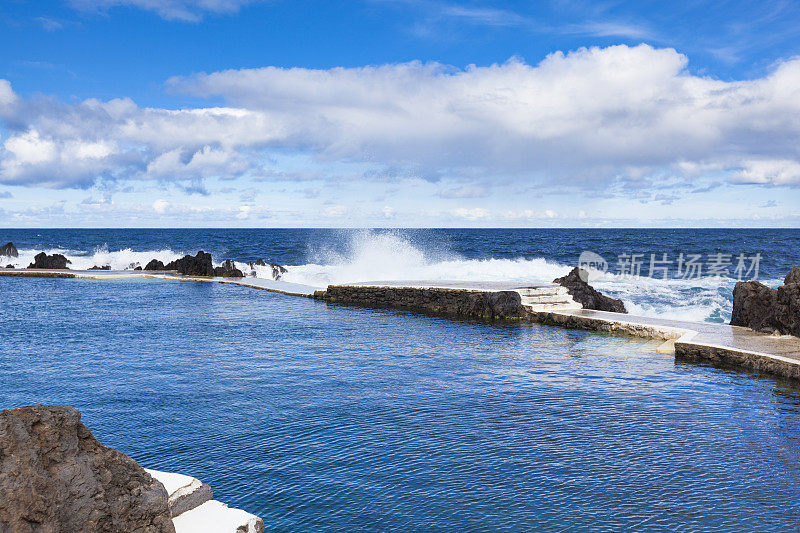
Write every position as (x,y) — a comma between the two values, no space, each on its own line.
(321,417)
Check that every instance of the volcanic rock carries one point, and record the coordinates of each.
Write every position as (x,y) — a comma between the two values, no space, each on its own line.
(154,264)
(56,477)
(761,308)
(199,265)
(228,270)
(277,271)
(42,260)
(588,296)
(9,250)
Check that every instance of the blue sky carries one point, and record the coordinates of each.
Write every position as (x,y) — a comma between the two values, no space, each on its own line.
(399,113)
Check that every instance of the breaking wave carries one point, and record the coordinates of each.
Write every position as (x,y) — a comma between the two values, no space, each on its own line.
(372,255)
(392,256)
(100,256)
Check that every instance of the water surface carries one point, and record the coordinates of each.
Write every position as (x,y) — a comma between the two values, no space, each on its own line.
(320,417)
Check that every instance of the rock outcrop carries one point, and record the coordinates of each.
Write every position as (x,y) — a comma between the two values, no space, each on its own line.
(761,308)
(277,270)
(42,260)
(586,295)
(228,270)
(56,477)
(104,267)
(154,264)
(9,250)
(198,265)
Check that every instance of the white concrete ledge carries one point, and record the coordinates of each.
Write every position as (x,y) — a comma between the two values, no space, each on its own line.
(194,511)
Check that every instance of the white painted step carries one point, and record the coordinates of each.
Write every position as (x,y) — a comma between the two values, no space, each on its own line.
(216,517)
(554,307)
(549,299)
(185,492)
(547,290)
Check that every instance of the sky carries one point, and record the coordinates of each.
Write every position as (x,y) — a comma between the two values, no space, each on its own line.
(399,113)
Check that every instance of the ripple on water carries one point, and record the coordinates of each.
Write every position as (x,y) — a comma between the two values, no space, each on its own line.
(321,417)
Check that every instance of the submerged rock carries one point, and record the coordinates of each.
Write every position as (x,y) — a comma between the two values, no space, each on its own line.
(228,270)
(55,476)
(138,267)
(9,250)
(588,296)
(761,308)
(56,261)
(104,267)
(154,264)
(198,265)
(9,266)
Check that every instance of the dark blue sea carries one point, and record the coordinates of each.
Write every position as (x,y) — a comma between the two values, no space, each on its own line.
(320,417)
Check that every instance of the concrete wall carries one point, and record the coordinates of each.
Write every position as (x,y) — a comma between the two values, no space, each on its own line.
(620,327)
(450,302)
(731,358)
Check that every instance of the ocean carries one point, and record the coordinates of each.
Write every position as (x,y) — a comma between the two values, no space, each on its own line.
(323,256)
(322,417)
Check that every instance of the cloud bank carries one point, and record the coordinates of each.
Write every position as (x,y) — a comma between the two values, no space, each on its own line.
(592,117)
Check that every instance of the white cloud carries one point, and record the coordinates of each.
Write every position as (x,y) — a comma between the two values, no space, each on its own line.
(770,172)
(476,213)
(184,10)
(464,191)
(335,211)
(244,212)
(160,206)
(591,117)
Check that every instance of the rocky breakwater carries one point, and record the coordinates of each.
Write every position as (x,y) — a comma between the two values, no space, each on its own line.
(56,477)
(577,286)
(768,310)
(451,302)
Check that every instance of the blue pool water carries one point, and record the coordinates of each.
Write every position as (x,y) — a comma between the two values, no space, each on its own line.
(320,417)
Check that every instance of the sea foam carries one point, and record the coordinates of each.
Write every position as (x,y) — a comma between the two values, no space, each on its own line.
(374,255)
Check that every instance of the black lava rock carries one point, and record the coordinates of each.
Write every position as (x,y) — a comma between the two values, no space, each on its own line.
(55,476)
(154,264)
(277,271)
(761,308)
(228,270)
(55,261)
(588,296)
(9,250)
(199,265)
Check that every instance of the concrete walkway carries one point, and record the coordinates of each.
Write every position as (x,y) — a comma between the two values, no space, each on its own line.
(696,341)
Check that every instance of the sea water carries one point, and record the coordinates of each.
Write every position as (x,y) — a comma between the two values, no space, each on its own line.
(320,417)
(320,257)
